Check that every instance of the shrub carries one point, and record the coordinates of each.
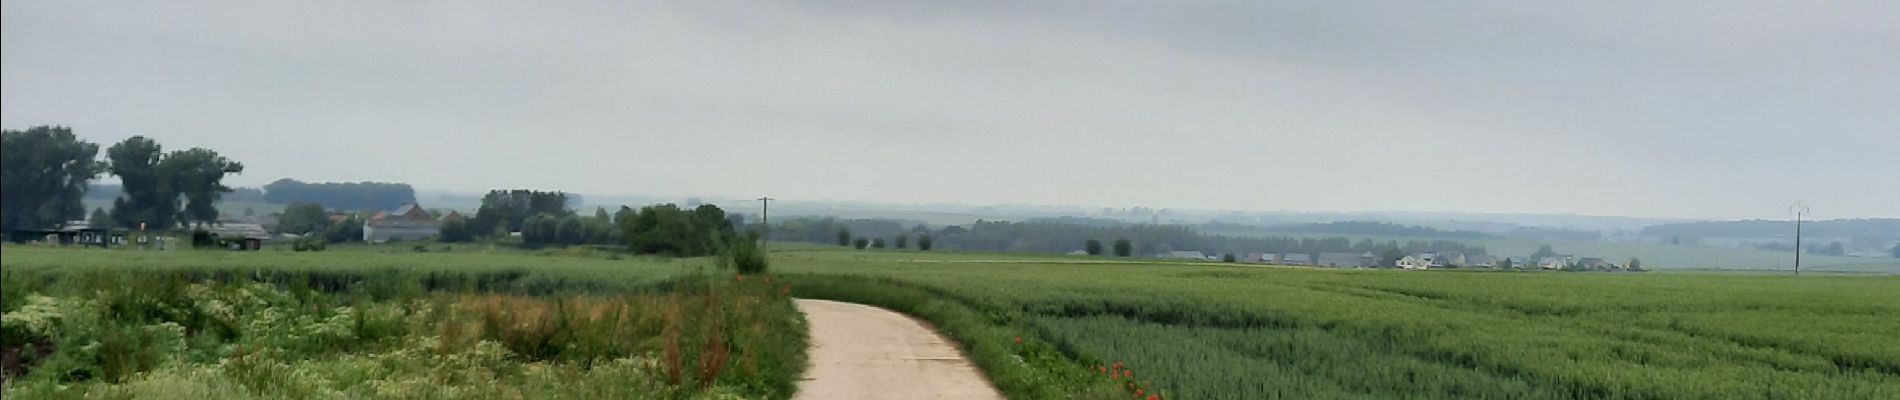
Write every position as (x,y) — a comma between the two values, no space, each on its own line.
(745,255)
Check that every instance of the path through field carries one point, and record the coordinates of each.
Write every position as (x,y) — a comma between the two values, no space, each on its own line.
(864,352)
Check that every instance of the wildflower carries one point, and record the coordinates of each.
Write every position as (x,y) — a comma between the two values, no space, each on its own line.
(740,277)
(1104,370)
(1154,397)
(1138,392)
(1019,340)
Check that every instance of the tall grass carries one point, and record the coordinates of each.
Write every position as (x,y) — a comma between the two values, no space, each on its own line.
(264,325)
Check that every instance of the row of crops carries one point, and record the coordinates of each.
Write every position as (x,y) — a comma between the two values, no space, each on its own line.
(1216,331)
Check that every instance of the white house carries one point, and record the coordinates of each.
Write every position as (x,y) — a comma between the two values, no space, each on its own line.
(1414,262)
(1185,255)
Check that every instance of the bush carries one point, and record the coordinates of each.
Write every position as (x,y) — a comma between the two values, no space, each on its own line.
(745,255)
(860,243)
(923,242)
(201,239)
(308,244)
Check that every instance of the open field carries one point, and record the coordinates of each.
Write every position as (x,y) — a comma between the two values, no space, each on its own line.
(1250,332)
(1183,330)
(1654,256)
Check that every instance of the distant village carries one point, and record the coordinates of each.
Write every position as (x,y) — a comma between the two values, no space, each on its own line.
(1418,261)
(250,231)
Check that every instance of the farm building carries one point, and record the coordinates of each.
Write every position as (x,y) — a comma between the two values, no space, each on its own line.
(410,222)
(1554,263)
(239,235)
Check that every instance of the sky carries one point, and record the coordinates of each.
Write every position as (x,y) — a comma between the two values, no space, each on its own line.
(1686,109)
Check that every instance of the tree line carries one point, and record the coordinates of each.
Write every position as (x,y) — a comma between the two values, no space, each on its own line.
(340,195)
(47,171)
(1055,237)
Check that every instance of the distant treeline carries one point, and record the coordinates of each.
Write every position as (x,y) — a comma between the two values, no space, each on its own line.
(341,195)
(1869,229)
(1374,228)
(101,192)
(1044,236)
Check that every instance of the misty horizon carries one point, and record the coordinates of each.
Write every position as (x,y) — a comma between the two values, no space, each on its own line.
(1670,111)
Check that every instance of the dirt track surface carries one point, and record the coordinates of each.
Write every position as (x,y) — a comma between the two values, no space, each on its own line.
(864,352)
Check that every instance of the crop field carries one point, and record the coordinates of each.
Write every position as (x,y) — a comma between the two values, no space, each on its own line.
(84,323)
(475,322)
(1214,331)
(1656,256)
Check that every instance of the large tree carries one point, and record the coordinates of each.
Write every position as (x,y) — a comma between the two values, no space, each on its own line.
(146,195)
(44,176)
(154,182)
(1093,247)
(303,218)
(198,175)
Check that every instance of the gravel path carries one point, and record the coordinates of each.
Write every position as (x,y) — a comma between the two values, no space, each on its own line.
(864,352)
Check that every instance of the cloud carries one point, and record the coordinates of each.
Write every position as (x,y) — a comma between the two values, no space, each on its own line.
(1642,108)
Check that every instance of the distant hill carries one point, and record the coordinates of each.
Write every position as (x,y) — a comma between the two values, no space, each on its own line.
(1883,229)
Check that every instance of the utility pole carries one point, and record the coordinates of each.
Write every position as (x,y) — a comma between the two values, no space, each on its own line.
(765,220)
(1799,208)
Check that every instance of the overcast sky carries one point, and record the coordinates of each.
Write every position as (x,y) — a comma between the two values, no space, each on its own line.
(1643,108)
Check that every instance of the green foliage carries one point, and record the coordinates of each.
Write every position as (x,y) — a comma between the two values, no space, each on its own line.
(924,243)
(510,209)
(1092,247)
(154,181)
(352,196)
(1227,258)
(1543,251)
(844,237)
(902,241)
(667,229)
(877,243)
(349,230)
(1124,248)
(45,170)
(745,255)
(455,231)
(860,243)
(93,324)
(303,218)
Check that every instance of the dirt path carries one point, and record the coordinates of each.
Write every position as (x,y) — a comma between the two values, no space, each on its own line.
(864,352)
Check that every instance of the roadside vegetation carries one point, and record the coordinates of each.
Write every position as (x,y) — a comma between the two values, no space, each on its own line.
(358,324)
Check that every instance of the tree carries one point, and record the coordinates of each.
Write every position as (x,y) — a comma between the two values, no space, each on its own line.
(340,195)
(1508,263)
(1634,264)
(1896,250)
(153,181)
(877,243)
(844,237)
(1093,247)
(303,218)
(349,230)
(43,176)
(667,229)
(745,255)
(1543,251)
(510,208)
(1124,248)
(860,243)
(1227,258)
(1833,249)
(923,244)
(454,231)
(901,241)
(198,175)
